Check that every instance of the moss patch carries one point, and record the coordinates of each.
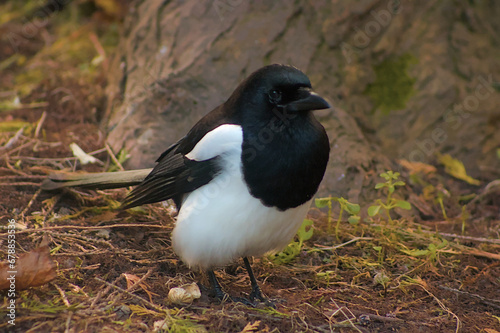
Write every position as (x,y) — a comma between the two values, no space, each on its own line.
(393,85)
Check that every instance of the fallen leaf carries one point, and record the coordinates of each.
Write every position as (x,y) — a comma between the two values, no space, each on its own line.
(456,169)
(417,167)
(133,279)
(32,269)
(251,327)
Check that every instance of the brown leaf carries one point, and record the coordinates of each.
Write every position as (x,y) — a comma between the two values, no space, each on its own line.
(251,327)
(417,167)
(32,269)
(132,281)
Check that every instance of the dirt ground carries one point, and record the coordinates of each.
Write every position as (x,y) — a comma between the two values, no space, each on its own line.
(112,270)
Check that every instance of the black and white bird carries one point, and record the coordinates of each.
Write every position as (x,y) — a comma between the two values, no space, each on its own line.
(244,176)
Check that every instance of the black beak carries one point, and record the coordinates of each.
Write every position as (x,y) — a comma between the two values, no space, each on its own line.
(308,101)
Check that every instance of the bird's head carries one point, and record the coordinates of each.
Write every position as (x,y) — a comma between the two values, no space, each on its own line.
(278,87)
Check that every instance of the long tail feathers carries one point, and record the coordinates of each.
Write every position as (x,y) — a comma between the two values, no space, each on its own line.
(102,180)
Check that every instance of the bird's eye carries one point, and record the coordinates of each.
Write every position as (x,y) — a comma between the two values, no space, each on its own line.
(275,96)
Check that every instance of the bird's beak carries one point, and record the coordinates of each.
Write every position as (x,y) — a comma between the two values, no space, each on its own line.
(309,101)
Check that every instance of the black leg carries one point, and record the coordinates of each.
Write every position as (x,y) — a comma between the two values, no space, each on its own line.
(256,293)
(220,294)
(216,288)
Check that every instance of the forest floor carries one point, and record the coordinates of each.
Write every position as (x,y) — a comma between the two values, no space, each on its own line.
(85,266)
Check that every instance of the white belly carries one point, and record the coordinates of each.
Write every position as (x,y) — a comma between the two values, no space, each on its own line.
(220,221)
(207,235)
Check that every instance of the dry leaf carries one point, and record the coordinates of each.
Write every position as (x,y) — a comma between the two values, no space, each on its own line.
(421,282)
(456,169)
(133,279)
(251,327)
(417,167)
(32,269)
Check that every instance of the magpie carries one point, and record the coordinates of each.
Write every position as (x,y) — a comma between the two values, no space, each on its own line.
(244,176)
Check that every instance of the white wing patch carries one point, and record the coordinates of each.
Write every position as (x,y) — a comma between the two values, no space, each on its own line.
(223,139)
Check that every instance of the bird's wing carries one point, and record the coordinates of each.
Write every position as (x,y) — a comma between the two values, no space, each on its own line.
(178,173)
(173,176)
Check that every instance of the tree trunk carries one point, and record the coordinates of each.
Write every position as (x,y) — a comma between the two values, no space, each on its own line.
(406,78)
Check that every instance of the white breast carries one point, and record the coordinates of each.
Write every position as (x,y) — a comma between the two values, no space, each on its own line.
(221,221)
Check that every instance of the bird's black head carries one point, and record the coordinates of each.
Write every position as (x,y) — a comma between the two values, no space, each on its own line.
(280,88)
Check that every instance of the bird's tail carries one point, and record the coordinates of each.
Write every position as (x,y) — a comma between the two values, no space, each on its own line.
(101,180)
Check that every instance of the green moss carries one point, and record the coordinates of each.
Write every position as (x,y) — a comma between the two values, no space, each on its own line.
(393,86)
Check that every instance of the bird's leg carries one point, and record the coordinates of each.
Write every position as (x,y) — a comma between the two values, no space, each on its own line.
(220,294)
(256,293)
(216,288)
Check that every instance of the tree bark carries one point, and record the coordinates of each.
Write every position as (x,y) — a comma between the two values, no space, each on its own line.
(406,78)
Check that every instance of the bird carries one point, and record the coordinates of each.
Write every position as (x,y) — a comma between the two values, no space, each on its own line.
(242,178)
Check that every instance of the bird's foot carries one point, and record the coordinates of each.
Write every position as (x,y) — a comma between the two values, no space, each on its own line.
(253,300)
(256,294)
(266,302)
(225,297)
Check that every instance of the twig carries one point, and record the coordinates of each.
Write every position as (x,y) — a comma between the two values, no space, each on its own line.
(350,317)
(33,198)
(113,157)
(62,159)
(491,187)
(154,306)
(382,319)
(479,253)
(40,123)
(20,184)
(441,305)
(68,321)
(18,148)
(490,302)
(100,50)
(86,239)
(355,239)
(97,298)
(467,238)
(21,177)
(12,141)
(55,201)
(63,295)
(103,292)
